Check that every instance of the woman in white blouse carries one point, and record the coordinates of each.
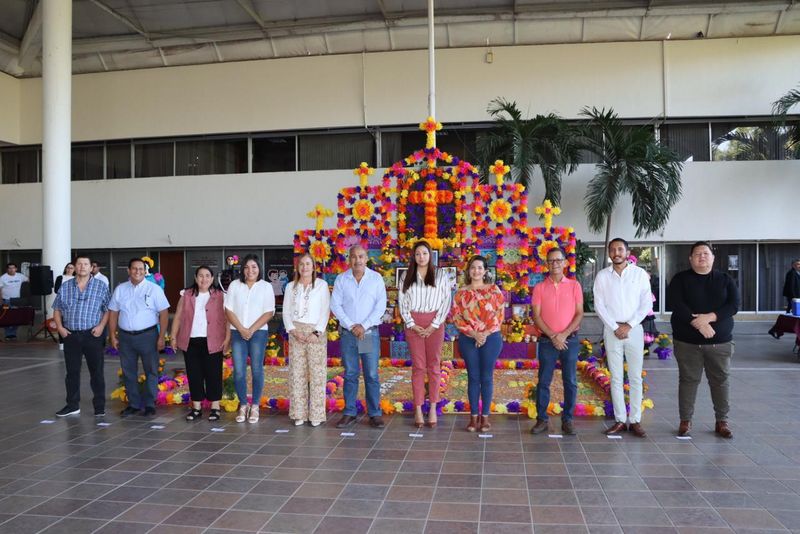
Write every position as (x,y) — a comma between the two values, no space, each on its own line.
(249,305)
(424,303)
(306,309)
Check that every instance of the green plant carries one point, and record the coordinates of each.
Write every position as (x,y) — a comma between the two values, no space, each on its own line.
(545,141)
(780,108)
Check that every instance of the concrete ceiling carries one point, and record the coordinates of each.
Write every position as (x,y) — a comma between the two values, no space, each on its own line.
(134,34)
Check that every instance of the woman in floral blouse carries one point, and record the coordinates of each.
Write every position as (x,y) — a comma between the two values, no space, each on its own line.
(478,310)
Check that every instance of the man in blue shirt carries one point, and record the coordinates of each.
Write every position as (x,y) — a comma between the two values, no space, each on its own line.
(139,310)
(80,312)
(359,302)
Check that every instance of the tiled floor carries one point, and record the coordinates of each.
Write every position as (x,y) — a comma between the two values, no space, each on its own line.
(74,476)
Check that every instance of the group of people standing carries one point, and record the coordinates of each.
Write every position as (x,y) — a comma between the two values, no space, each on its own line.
(207,323)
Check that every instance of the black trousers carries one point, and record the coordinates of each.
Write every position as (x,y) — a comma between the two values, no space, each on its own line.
(83,344)
(204,371)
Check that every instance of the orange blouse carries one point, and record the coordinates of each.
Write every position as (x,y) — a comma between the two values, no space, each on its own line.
(479,310)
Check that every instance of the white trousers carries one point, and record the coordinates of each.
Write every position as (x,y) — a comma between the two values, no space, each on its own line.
(632,351)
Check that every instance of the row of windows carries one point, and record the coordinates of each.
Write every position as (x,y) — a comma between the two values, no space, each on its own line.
(758,269)
(701,141)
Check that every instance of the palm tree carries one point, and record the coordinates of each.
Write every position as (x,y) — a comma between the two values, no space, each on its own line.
(546,141)
(780,108)
(633,162)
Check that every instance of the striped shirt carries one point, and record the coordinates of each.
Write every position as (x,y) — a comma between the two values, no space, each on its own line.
(82,310)
(423,298)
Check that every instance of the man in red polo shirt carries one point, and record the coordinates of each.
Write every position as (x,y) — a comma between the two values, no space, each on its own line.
(557,311)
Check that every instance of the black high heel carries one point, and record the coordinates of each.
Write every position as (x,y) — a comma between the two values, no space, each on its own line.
(194,415)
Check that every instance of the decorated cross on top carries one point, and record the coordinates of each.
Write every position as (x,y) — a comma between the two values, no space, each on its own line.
(320,213)
(547,211)
(431,197)
(430,127)
(363,171)
(499,169)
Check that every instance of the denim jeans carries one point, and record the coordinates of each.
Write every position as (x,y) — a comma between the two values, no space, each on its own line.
(255,349)
(369,362)
(548,355)
(480,369)
(10,330)
(131,348)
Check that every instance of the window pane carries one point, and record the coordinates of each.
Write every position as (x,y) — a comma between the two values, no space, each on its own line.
(118,160)
(220,156)
(20,166)
(749,142)
(274,154)
(154,159)
(688,140)
(738,260)
(87,162)
(775,261)
(335,151)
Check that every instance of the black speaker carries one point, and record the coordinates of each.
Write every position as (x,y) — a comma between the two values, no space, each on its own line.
(41,277)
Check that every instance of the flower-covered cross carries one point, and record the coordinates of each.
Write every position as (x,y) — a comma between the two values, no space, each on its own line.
(499,169)
(430,127)
(363,171)
(547,211)
(431,197)
(320,213)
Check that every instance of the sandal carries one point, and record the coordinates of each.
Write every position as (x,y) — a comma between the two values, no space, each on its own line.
(194,415)
(214,415)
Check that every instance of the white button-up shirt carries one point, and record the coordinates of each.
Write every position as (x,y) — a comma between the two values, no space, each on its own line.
(362,302)
(138,305)
(307,305)
(250,303)
(424,298)
(624,298)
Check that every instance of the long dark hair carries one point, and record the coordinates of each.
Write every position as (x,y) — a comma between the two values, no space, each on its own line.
(473,259)
(195,288)
(411,274)
(251,257)
(297,269)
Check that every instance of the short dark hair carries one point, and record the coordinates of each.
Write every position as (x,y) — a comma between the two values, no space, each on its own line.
(619,239)
(556,249)
(131,262)
(9,264)
(83,256)
(698,244)
(251,257)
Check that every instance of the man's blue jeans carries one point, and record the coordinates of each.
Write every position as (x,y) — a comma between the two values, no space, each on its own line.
(241,350)
(480,369)
(548,355)
(131,348)
(369,361)
(11,331)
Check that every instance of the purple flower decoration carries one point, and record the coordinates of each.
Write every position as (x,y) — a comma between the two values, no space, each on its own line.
(459,406)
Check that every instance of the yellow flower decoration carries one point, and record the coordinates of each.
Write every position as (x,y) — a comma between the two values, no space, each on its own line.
(363,210)
(320,213)
(149,261)
(363,171)
(547,211)
(320,251)
(499,169)
(544,248)
(430,127)
(500,210)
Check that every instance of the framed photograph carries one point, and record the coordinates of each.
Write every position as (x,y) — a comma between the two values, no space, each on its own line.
(491,274)
(451,274)
(399,274)
(435,258)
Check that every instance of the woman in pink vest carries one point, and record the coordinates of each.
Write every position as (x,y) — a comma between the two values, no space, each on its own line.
(201,331)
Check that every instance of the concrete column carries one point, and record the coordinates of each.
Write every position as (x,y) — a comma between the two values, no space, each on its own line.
(57,135)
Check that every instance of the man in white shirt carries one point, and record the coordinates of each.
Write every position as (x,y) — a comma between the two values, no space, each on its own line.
(97,274)
(10,285)
(622,299)
(140,311)
(359,302)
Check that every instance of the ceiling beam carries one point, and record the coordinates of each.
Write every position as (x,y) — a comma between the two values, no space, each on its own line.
(9,44)
(122,18)
(31,44)
(248,7)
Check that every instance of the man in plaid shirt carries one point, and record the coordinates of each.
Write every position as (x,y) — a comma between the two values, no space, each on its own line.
(80,312)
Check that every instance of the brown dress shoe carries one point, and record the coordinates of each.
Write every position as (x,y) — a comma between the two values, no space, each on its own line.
(684,428)
(346,421)
(376,422)
(637,430)
(474,423)
(539,427)
(485,424)
(616,429)
(567,429)
(723,430)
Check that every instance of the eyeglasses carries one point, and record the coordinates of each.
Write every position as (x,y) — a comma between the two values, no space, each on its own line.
(559,260)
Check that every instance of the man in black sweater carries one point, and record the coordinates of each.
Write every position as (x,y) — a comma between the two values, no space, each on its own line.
(703,302)
(791,290)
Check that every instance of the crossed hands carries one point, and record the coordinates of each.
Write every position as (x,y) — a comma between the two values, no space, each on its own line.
(559,341)
(480,338)
(301,337)
(423,332)
(622,331)
(702,323)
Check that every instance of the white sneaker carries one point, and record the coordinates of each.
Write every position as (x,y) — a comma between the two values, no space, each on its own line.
(316,423)
(253,414)
(298,422)
(241,417)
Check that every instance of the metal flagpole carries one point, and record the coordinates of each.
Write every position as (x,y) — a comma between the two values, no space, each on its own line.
(431,66)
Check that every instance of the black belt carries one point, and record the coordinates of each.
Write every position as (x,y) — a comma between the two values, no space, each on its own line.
(137,332)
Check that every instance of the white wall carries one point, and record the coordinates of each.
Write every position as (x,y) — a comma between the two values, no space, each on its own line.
(9,109)
(724,77)
(722,201)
